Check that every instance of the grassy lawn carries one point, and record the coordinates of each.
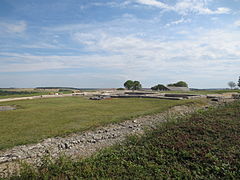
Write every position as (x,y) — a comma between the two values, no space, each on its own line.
(41,118)
(203,146)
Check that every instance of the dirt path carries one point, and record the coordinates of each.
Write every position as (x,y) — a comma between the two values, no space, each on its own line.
(33,97)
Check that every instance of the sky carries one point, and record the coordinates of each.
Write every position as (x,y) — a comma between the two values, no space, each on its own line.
(101,44)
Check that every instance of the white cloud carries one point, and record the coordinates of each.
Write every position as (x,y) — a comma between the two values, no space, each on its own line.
(214,43)
(222,10)
(180,21)
(202,54)
(129,49)
(185,7)
(40,45)
(197,6)
(154,3)
(135,54)
(237,23)
(111,4)
(183,32)
(17,27)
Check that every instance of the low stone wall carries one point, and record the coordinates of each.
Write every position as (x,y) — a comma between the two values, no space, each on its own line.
(7,108)
(83,144)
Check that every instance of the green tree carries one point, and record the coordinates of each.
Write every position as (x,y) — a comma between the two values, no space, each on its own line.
(136,85)
(133,85)
(239,82)
(171,85)
(231,84)
(179,84)
(154,88)
(128,84)
(159,87)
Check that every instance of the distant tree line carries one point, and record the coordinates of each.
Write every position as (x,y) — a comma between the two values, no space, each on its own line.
(5,93)
(65,88)
(136,85)
(179,84)
(161,87)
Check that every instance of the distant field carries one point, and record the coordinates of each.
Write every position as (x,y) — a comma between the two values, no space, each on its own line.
(21,95)
(41,118)
(203,146)
(12,93)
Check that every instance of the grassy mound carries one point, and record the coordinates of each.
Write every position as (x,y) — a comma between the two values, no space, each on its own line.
(204,146)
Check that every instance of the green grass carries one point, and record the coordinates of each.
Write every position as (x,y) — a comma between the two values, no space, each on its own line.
(203,146)
(11,94)
(42,118)
(22,95)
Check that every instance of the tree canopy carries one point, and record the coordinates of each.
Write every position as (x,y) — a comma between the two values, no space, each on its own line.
(128,84)
(179,84)
(132,85)
(159,87)
(239,82)
(232,84)
(136,85)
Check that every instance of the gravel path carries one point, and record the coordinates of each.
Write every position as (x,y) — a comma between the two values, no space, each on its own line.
(86,143)
(34,97)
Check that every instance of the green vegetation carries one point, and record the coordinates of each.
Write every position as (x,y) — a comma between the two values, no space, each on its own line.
(132,85)
(12,93)
(41,118)
(120,89)
(159,87)
(60,88)
(238,82)
(18,92)
(203,146)
(179,84)
(232,84)
(4,93)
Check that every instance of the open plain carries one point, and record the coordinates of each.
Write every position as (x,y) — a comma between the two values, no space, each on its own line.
(78,127)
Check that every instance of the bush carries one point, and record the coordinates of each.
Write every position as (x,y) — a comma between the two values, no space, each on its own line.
(159,87)
(179,84)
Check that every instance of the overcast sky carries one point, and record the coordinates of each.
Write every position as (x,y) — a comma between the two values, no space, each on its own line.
(99,43)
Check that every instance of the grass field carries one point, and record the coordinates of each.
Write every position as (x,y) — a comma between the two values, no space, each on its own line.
(13,93)
(203,146)
(22,95)
(42,118)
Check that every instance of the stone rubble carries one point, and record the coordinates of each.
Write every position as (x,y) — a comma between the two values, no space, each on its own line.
(86,143)
(7,108)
